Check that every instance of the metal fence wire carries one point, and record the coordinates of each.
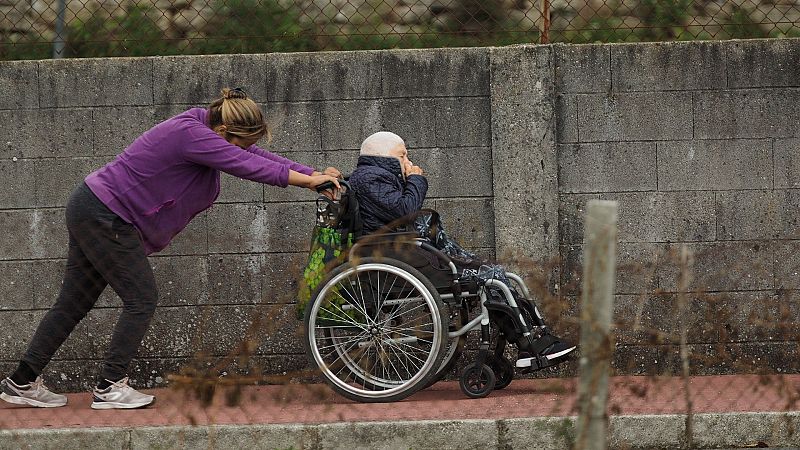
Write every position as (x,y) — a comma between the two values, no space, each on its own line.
(31,29)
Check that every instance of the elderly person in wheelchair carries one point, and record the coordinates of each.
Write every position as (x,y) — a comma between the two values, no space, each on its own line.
(389,188)
(390,312)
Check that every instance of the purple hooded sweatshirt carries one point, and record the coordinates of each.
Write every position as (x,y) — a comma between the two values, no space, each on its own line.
(170,174)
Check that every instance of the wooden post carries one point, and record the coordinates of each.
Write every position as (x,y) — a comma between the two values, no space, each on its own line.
(597,343)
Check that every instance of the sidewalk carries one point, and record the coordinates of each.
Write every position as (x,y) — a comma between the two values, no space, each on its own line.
(641,406)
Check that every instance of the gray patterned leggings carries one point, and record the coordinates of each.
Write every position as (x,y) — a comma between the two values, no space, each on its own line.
(103,250)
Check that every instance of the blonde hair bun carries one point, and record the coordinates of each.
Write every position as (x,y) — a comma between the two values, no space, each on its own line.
(235,93)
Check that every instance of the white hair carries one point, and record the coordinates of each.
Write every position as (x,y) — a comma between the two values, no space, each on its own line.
(380,144)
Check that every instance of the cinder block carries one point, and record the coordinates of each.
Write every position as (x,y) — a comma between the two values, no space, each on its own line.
(665,216)
(294,126)
(607,167)
(177,331)
(641,116)
(18,329)
(456,172)
(721,266)
(18,283)
(96,82)
(763,63)
(47,132)
(787,163)
(295,77)
(115,128)
(33,234)
(235,279)
(582,68)
(787,264)
(572,213)
(435,73)
(746,215)
(413,119)
(223,329)
(463,122)
(665,66)
(787,202)
(566,119)
(20,79)
(198,80)
(468,221)
(238,190)
(646,359)
(181,280)
(757,316)
(277,330)
(274,227)
(345,124)
(747,113)
(280,275)
(723,164)
(20,183)
(57,178)
(71,375)
(637,264)
(193,240)
(658,318)
(636,272)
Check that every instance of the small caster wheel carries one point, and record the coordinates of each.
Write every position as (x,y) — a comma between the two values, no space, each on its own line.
(503,371)
(477,381)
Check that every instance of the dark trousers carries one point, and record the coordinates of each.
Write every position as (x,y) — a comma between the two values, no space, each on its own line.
(103,250)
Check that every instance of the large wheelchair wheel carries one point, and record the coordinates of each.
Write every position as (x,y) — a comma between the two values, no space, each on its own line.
(454,347)
(376,330)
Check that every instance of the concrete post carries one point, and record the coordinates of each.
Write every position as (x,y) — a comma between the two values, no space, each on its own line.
(596,311)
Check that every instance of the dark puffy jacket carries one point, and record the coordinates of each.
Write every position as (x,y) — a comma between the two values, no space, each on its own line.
(382,194)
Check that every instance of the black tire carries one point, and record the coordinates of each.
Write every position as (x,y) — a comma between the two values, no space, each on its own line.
(363,334)
(477,382)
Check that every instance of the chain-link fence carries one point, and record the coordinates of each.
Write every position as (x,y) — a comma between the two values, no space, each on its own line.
(31,29)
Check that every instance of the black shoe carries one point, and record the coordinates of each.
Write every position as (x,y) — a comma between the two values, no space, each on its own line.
(550,348)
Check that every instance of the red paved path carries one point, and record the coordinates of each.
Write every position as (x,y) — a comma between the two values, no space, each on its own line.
(523,398)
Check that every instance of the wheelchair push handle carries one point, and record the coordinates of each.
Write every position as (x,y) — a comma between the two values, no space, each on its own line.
(328,185)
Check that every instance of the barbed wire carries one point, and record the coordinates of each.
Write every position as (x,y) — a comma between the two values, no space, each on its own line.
(31,29)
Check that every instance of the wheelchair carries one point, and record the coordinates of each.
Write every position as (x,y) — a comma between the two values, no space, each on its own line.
(392,313)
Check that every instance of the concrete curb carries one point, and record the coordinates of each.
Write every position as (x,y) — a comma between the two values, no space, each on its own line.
(729,430)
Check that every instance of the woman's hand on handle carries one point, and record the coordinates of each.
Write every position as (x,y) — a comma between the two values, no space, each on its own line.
(313,180)
(332,171)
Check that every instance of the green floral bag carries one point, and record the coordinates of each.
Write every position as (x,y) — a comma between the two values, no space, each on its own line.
(336,227)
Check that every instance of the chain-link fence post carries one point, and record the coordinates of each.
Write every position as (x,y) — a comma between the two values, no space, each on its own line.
(597,343)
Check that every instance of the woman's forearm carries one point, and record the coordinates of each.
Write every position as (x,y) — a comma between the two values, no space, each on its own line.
(299,179)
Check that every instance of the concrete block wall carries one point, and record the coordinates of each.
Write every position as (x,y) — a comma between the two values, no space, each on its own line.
(696,141)
(238,261)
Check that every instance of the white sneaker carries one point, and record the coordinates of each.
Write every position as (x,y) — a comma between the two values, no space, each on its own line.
(31,394)
(120,396)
